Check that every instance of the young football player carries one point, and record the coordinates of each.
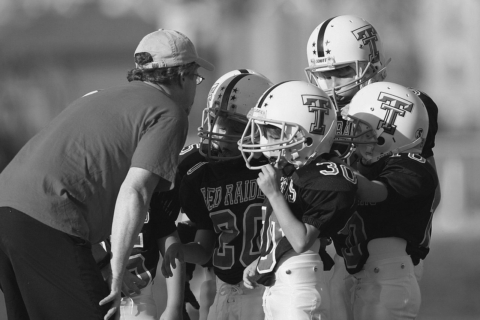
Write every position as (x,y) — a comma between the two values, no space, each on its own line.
(310,195)
(390,231)
(345,53)
(222,198)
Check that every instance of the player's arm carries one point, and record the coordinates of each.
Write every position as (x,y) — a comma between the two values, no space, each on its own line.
(175,283)
(438,193)
(300,235)
(198,252)
(370,191)
(249,273)
(129,215)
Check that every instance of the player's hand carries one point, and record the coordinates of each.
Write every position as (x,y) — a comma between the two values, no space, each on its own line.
(248,274)
(172,313)
(269,180)
(174,251)
(344,112)
(132,284)
(113,298)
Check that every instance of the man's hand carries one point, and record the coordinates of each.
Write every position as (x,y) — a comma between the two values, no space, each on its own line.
(344,112)
(174,251)
(248,275)
(114,298)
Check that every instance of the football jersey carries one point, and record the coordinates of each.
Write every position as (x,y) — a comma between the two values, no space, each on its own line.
(405,213)
(143,260)
(224,197)
(167,203)
(322,194)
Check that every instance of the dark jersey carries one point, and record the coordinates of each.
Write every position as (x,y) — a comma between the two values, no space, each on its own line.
(167,204)
(160,221)
(432,111)
(406,213)
(145,254)
(321,194)
(224,197)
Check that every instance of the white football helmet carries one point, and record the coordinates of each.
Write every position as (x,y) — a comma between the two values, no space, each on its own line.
(344,47)
(305,116)
(231,96)
(388,119)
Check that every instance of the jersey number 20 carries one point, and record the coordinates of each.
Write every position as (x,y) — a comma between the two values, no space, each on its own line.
(225,223)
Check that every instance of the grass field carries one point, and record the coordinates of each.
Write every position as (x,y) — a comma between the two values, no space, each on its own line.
(450,285)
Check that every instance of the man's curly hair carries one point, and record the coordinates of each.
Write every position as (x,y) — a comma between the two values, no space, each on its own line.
(163,76)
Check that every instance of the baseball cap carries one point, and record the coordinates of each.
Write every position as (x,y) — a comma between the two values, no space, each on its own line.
(170,48)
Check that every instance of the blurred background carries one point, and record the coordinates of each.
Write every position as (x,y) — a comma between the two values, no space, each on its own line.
(54,51)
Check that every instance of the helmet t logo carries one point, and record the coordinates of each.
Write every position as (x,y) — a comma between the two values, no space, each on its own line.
(395,106)
(368,36)
(321,107)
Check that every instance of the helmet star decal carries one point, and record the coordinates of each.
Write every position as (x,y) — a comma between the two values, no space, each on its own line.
(236,94)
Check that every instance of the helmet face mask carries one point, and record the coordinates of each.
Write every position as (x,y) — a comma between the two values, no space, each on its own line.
(292,122)
(282,142)
(229,101)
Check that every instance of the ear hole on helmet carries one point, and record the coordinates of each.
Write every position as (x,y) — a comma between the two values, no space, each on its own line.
(381,141)
(308,141)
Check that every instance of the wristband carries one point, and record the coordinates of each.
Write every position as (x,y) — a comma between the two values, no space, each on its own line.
(105,260)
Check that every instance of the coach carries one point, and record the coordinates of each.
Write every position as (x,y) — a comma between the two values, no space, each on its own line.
(97,163)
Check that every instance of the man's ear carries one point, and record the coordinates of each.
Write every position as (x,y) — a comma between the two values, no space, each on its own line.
(182,80)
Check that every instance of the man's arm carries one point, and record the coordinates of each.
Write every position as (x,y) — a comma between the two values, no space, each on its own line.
(130,211)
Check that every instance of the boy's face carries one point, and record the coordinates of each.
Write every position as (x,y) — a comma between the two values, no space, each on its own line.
(229,132)
(272,135)
(366,140)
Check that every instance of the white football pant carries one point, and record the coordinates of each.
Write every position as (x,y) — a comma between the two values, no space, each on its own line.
(300,291)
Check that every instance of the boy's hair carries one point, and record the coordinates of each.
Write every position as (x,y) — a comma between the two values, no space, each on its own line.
(161,76)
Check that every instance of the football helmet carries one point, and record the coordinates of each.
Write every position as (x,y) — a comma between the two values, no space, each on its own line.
(306,120)
(344,54)
(231,97)
(388,119)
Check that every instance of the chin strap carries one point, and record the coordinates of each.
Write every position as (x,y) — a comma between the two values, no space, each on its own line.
(398,150)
